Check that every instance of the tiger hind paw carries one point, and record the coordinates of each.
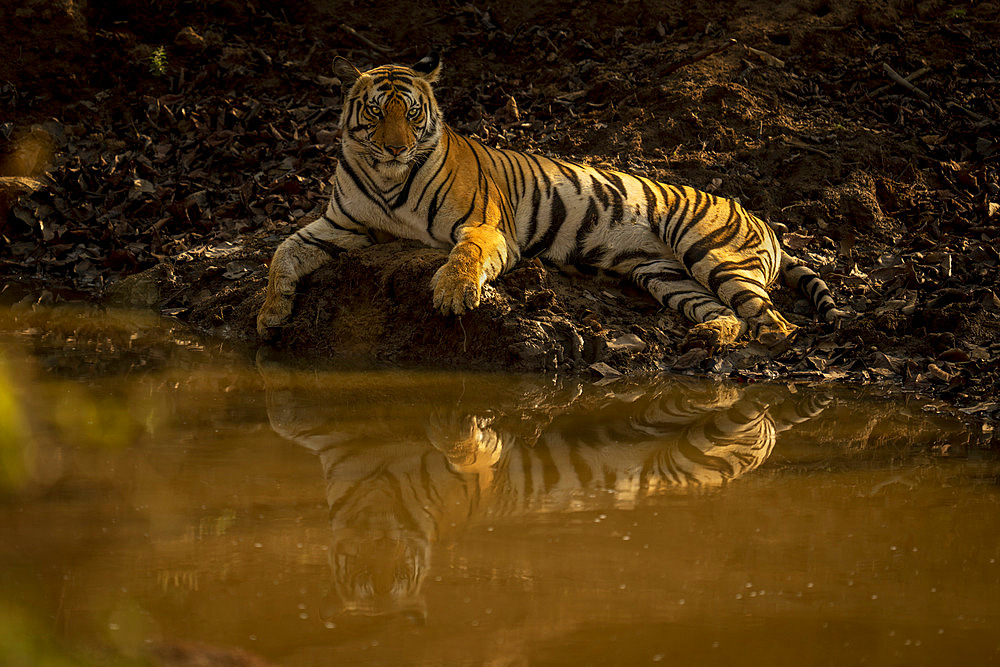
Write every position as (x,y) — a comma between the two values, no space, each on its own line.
(713,335)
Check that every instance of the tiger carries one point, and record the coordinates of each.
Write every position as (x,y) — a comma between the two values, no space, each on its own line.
(400,476)
(403,172)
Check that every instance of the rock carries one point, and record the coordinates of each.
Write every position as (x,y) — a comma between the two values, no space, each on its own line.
(188,39)
(938,373)
(629,342)
(691,359)
(141,290)
(604,370)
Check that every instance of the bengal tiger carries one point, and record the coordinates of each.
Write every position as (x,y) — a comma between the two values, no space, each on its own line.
(403,172)
(399,476)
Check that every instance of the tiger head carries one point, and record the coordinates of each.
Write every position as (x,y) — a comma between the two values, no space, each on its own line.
(390,119)
(378,573)
(381,550)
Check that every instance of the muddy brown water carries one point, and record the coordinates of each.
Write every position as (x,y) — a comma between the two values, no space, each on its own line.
(164,500)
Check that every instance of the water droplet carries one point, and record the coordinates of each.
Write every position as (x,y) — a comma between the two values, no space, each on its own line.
(330,625)
(253,638)
(257,545)
(681,601)
(303,616)
(113,626)
(874,596)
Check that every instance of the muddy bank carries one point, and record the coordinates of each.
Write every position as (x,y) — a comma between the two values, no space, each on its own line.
(191,146)
(374,306)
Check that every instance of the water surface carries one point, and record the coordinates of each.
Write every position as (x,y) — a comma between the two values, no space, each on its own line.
(164,499)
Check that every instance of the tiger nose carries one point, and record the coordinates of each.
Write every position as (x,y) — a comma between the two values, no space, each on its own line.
(395,150)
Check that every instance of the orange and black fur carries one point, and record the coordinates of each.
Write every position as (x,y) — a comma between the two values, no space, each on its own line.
(404,172)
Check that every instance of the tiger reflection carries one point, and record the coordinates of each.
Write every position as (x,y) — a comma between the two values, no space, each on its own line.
(392,491)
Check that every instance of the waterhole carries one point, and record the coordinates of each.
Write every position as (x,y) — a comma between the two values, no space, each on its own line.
(165,499)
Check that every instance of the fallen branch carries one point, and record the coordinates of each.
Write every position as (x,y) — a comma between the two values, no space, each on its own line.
(367,42)
(911,78)
(701,55)
(895,76)
(768,59)
(798,143)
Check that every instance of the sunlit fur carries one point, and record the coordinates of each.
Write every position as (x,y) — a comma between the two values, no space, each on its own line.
(404,172)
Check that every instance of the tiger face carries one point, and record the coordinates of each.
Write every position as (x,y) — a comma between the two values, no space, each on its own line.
(390,119)
(378,572)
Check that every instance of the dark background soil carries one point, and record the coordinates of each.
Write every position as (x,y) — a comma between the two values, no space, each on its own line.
(196,163)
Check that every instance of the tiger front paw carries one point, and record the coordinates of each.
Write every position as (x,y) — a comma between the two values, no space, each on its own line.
(455,291)
(468,444)
(275,311)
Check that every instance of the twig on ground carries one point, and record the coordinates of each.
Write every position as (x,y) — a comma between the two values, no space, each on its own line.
(768,59)
(798,143)
(895,76)
(701,55)
(367,42)
(911,78)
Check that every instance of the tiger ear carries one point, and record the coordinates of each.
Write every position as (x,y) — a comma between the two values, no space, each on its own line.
(429,67)
(346,72)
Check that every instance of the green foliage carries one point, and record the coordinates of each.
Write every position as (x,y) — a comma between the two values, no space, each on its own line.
(956,13)
(158,62)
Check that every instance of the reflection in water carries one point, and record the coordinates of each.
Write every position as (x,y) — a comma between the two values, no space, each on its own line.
(392,489)
(150,511)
